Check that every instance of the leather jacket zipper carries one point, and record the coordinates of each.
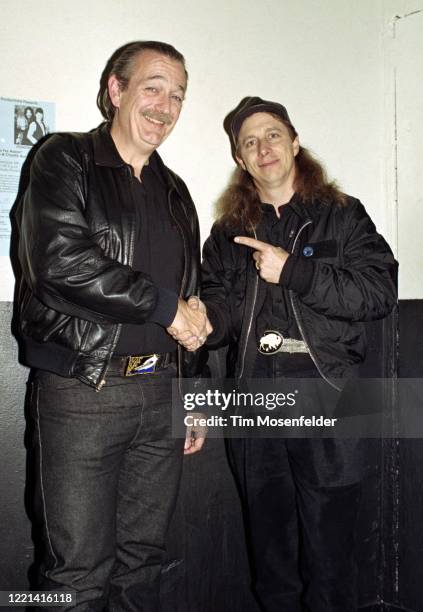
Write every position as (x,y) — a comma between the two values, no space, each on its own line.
(102,381)
(250,322)
(297,317)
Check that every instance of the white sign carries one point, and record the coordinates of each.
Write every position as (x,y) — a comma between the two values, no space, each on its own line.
(22,124)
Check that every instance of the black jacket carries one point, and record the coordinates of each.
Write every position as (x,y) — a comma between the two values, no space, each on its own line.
(76,224)
(353,279)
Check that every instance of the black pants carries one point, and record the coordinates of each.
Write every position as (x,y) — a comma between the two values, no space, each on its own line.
(107,471)
(300,499)
(301,532)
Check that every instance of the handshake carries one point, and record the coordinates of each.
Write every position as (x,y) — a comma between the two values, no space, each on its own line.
(191,326)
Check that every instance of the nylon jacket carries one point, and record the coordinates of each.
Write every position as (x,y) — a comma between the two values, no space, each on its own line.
(353,281)
(77,227)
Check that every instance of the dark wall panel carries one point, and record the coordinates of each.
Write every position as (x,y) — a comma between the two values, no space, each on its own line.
(207,537)
(410,461)
(15,532)
(207,566)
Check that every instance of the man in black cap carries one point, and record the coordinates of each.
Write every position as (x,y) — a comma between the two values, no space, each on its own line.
(295,308)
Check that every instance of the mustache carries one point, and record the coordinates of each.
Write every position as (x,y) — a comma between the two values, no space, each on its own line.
(158,116)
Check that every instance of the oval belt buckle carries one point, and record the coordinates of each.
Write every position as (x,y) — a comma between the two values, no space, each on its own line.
(270,342)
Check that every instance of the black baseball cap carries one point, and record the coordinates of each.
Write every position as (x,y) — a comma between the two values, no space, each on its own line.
(248,106)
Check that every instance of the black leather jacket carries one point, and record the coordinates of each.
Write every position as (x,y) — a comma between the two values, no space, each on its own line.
(353,281)
(76,223)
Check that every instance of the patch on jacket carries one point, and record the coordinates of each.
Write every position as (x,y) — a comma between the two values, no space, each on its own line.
(325,248)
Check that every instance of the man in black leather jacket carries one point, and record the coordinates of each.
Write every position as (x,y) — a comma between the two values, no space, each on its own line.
(291,270)
(109,250)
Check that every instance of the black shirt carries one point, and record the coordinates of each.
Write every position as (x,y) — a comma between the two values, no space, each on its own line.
(276,312)
(159,253)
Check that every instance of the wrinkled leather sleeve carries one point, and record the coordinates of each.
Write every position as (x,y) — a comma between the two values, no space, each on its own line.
(362,287)
(62,264)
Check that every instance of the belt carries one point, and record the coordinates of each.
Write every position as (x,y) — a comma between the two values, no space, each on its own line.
(273,342)
(131,365)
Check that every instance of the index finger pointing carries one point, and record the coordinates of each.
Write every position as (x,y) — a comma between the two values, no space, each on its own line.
(258,245)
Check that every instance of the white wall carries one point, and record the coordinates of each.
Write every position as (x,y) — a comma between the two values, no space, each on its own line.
(325,60)
(403,53)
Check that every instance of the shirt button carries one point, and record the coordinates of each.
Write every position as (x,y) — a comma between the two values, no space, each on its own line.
(308,251)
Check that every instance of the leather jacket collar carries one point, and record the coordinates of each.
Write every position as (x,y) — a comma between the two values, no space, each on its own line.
(105,151)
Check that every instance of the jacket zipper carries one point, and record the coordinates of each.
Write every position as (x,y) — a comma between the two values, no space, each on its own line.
(102,381)
(256,283)
(297,318)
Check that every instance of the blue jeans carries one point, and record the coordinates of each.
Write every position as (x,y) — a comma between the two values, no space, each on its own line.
(106,478)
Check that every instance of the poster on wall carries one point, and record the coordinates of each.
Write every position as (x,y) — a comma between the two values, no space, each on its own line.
(22,124)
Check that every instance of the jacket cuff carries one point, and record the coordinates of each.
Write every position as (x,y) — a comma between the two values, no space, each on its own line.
(218,323)
(166,307)
(297,274)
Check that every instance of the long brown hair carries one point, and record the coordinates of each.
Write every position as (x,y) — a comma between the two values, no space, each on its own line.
(239,204)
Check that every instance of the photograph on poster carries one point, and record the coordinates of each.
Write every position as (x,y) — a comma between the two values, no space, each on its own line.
(22,124)
(29,125)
